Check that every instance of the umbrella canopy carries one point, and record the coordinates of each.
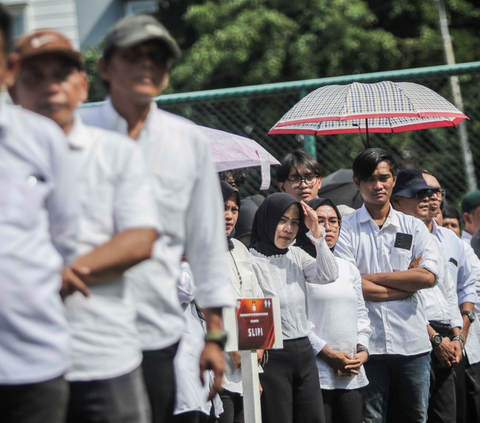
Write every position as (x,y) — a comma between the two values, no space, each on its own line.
(384,99)
(231,151)
(340,188)
(385,125)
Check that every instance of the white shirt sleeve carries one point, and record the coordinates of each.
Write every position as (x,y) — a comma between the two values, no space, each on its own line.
(423,246)
(316,342)
(364,331)
(186,286)
(63,203)
(206,242)
(323,269)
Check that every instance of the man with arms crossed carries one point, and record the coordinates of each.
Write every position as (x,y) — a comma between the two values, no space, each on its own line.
(137,58)
(118,227)
(382,243)
(38,228)
(412,195)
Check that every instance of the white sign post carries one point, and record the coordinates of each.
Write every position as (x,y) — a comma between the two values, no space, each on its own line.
(255,324)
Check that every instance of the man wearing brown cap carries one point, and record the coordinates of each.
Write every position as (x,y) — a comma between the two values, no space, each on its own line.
(137,58)
(38,232)
(118,227)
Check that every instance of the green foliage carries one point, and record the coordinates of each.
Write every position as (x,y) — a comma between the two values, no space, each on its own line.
(96,90)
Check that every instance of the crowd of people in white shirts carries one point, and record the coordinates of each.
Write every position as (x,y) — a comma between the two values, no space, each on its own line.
(119,248)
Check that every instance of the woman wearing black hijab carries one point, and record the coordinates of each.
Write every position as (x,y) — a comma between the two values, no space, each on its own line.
(341,325)
(245,284)
(291,390)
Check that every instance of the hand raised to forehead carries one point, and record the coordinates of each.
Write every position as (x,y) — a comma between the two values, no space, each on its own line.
(311,220)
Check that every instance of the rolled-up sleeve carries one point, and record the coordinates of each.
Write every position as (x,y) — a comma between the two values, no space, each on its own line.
(466,281)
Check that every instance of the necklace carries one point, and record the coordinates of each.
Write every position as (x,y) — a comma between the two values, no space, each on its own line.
(238,272)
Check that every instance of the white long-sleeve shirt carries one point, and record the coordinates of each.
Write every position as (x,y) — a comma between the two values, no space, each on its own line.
(115,195)
(38,232)
(400,326)
(285,276)
(440,301)
(190,209)
(340,317)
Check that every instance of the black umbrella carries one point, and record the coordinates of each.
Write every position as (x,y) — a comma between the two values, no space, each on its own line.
(339,187)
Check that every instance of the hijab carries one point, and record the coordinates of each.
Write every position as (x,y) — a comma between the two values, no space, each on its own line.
(249,206)
(266,221)
(227,192)
(303,241)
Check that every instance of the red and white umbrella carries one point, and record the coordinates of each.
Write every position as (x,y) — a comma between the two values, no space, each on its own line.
(380,107)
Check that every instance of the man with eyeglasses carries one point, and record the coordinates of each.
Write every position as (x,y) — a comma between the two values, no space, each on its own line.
(382,243)
(464,278)
(299,175)
(138,55)
(413,195)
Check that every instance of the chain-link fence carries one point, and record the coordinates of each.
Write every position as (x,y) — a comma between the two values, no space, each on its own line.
(252,111)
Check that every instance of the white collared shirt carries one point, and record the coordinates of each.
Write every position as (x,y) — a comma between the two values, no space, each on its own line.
(472,347)
(115,195)
(460,267)
(466,236)
(400,326)
(38,230)
(440,301)
(190,210)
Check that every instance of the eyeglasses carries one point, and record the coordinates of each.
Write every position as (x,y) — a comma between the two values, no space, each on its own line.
(334,223)
(157,56)
(296,181)
(429,193)
(441,193)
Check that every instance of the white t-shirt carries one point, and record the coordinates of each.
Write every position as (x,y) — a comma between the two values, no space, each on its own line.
(115,195)
(38,231)
(340,317)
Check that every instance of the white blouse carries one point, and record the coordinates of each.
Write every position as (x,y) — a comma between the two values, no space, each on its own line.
(340,317)
(240,261)
(285,276)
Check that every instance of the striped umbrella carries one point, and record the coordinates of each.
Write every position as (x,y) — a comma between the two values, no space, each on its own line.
(380,107)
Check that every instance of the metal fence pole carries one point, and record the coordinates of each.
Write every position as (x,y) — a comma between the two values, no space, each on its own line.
(457,97)
(309,141)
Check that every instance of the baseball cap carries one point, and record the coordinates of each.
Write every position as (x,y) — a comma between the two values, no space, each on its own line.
(470,201)
(44,42)
(134,30)
(409,182)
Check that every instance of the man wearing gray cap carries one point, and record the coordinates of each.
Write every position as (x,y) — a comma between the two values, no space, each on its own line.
(137,58)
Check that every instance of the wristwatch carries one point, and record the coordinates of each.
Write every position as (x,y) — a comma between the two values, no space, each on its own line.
(218,337)
(460,339)
(364,349)
(470,314)
(436,339)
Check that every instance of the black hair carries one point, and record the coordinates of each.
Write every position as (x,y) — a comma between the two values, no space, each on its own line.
(236,176)
(450,212)
(6,28)
(297,159)
(367,161)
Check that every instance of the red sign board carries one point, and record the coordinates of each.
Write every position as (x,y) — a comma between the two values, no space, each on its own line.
(255,321)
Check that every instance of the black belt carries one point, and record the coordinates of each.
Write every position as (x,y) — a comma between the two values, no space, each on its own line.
(442,328)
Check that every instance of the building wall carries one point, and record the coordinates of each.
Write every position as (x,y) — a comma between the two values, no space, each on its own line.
(31,15)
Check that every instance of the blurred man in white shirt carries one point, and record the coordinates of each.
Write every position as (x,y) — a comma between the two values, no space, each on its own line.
(38,233)
(138,54)
(118,227)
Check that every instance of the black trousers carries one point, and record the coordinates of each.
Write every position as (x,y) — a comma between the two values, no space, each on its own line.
(472,382)
(461,391)
(442,405)
(159,376)
(34,403)
(232,408)
(343,405)
(121,399)
(291,389)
